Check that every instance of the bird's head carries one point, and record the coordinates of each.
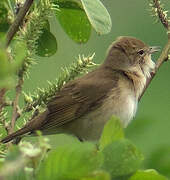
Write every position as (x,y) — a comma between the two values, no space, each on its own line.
(132,55)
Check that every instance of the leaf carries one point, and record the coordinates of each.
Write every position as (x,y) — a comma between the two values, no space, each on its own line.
(121,158)
(147,175)
(47,44)
(7,82)
(4,24)
(6,72)
(4,64)
(74,21)
(9,68)
(112,131)
(71,161)
(98,16)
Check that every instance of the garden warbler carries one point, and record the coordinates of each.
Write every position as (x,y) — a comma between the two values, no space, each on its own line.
(84,105)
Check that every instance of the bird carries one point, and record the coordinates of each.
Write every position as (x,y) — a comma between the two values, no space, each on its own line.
(84,105)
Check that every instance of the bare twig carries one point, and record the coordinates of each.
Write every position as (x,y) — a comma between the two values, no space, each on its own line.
(161,13)
(164,55)
(18,21)
(2,93)
(5,124)
(11,33)
(15,113)
(12,30)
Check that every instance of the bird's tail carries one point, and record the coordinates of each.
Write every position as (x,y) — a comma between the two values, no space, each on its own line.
(16,134)
(30,127)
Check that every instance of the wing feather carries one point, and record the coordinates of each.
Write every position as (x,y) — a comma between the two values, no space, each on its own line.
(77,98)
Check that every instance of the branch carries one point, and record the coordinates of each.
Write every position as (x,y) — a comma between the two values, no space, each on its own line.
(44,95)
(161,13)
(15,112)
(11,32)
(18,21)
(2,93)
(164,54)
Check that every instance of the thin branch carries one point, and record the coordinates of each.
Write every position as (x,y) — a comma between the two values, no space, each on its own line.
(2,93)
(161,13)
(164,55)
(11,32)
(18,21)
(15,113)
(5,124)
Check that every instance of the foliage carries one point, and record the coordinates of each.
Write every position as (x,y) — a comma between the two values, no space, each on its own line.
(119,158)
(111,135)
(8,69)
(44,95)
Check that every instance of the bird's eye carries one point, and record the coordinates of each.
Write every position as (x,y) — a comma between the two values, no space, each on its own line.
(141,52)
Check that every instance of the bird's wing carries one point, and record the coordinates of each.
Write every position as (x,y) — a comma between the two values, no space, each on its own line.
(77,98)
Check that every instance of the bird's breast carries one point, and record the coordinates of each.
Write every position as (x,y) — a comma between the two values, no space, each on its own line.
(123,106)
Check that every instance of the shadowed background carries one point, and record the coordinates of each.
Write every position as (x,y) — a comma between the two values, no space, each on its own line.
(150,130)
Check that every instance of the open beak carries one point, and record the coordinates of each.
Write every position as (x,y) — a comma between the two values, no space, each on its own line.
(154,49)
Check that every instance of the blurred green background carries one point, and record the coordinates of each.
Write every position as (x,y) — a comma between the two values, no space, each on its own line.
(150,130)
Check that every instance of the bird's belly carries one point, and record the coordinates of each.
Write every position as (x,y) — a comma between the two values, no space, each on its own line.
(90,126)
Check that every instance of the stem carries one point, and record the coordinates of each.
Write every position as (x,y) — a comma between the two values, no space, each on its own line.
(161,14)
(11,32)
(164,55)
(2,93)
(2,104)
(17,22)
(15,113)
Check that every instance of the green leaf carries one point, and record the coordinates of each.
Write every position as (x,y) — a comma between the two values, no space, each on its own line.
(7,82)
(4,64)
(71,161)
(9,68)
(46,44)
(4,24)
(121,158)
(98,16)
(112,131)
(74,21)
(6,72)
(98,175)
(147,175)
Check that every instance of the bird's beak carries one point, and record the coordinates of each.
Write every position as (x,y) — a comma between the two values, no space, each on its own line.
(154,49)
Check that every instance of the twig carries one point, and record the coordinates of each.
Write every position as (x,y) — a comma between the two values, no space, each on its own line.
(11,32)
(18,21)
(15,113)
(5,124)
(2,93)
(164,55)
(161,13)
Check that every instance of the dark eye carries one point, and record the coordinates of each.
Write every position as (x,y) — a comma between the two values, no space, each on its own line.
(141,52)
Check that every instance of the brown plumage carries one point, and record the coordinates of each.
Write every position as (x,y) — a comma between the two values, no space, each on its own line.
(84,105)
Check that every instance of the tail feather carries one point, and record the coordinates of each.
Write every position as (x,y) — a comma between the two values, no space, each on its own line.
(16,134)
(30,127)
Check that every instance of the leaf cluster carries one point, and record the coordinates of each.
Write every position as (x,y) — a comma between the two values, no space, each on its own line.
(115,157)
(43,95)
